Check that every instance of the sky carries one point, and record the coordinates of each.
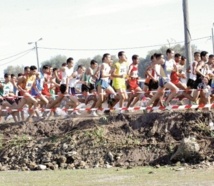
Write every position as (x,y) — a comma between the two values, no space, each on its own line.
(111,25)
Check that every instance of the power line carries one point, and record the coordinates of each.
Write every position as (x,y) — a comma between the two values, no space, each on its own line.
(16,54)
(26,52)
(128,48)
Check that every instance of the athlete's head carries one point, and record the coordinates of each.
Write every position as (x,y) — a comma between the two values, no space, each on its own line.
(135,59)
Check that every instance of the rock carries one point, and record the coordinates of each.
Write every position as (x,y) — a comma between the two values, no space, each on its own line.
(62,159)
(70,166)
(41,167)
(187,149)
(64,146)
(46,160)
(63,165)
(179,169)
(110,155)
(119,164)
(82,163)
(50,165)
(32,165)
(118,156)
(96,165)
(3,168)
(129,167)
(157,166)
(108,166)
(151,172)
(24,168)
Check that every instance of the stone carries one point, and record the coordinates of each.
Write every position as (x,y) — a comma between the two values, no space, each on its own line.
(108,166)
(157,166)
(186,149)
(82,163)
(179,169)
(64,146)
(63,165)
(62,159)
(3,168)
(110,155)
(41,167)
(32,165)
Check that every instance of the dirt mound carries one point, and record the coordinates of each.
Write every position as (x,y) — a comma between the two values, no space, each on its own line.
(119,140)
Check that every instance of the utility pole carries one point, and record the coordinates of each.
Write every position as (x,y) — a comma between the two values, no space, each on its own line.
(37,55)
(187,35)
(213,37)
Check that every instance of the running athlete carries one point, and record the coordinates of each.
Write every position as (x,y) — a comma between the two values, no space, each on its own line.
(28,81)
(164,77)
(119,73)
(133,86)
(102,85)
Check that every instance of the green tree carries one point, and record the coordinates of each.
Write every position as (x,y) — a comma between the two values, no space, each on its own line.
(55,61)
(14,69)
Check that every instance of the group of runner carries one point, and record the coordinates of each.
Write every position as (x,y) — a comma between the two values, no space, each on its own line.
(113,83)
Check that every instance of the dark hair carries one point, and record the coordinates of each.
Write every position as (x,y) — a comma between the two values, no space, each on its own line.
(134,57)
(79,66)
(211,56)
(104,56)
(152,57)
(20,74)
(203,53)
(63,64)
(183,58)
(55,69)
(93,62)
(12,75)
(25,68)
(120,53)
(169,51)
(33,67)
(177,55)
(69,60)
(45,67)
(6,75)
(157,55)
(196,53)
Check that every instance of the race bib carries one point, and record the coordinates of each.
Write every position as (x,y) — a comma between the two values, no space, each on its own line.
(122,70)
(29,85)
(135,73)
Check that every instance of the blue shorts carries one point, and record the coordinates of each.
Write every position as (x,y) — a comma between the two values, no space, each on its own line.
(104,84)
(162,82)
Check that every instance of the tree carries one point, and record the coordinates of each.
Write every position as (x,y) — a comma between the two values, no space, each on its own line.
(55,62)
(14,69)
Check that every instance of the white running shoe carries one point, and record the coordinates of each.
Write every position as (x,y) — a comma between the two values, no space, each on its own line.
(93,113)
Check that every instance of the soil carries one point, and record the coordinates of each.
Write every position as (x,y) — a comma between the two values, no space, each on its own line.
(124,140)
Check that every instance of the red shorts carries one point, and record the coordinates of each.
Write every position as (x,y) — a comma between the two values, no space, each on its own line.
(133,84)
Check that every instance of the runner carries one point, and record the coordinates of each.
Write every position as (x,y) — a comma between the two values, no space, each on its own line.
(133,86)
(119,74)
(164,77)
(102,85)
(28,81)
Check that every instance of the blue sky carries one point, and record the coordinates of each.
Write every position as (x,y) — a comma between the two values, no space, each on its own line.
(89,24)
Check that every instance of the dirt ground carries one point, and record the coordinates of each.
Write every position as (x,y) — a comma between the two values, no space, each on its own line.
(124,140)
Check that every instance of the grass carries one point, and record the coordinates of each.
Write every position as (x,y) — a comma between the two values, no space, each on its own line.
(112,176)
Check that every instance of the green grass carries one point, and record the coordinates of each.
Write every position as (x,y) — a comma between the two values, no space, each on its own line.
(112,176)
